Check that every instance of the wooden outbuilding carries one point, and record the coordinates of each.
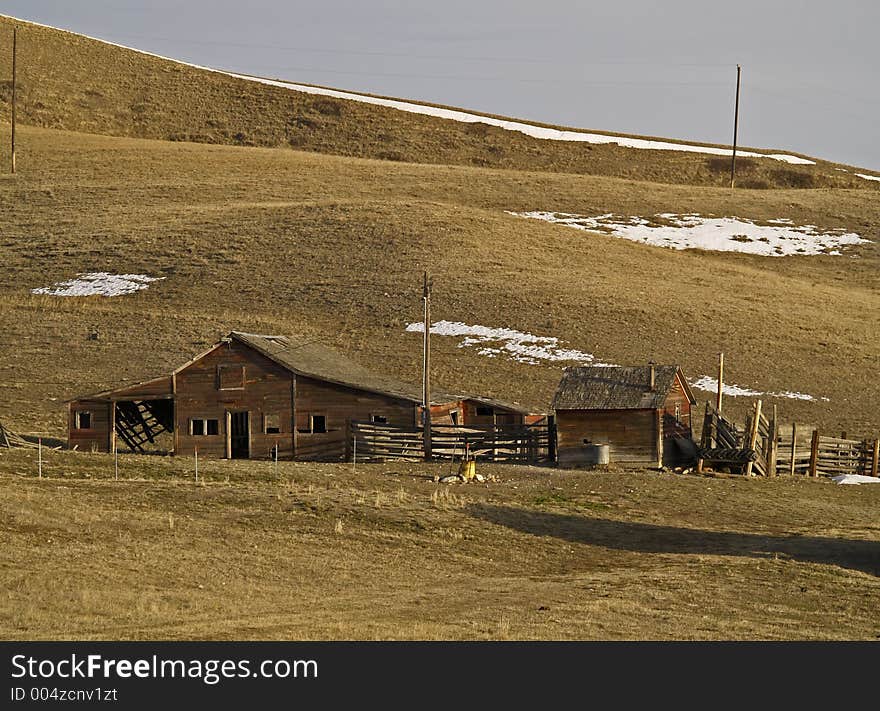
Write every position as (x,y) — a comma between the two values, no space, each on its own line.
(248,396)
(642,414)
(476,410)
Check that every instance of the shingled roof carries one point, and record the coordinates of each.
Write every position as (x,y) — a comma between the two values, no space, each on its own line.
(312,359)
(616,388)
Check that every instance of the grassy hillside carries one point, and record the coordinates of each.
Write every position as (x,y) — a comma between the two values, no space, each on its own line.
(322,552)
(293,242)
(67,81)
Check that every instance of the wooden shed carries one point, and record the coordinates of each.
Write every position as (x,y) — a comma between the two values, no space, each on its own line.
(643,414)
(477,410)
(248,396)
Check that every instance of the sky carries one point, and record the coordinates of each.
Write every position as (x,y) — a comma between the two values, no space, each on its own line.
(651,67)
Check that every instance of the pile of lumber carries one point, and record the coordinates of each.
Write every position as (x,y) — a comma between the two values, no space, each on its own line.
(9,439)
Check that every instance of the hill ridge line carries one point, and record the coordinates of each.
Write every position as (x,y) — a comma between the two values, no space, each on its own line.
(534,130)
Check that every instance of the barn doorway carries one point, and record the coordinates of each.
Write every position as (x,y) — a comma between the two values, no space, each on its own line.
(239,435)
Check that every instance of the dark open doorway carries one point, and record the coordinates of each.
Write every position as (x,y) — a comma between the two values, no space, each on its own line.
(239,435)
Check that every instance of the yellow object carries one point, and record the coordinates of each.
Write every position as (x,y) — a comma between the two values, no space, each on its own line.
(467,470)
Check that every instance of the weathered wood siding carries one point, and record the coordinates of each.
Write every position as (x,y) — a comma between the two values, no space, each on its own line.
(678,447)
(677,399)
(339,405)
(442,414)
(267,391)
(631,434)
(97,437)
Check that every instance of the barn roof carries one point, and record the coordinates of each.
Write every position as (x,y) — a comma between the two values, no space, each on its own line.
(616,388)
(312,359)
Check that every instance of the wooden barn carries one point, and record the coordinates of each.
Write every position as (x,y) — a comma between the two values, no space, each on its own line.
(643,414)
(243,398)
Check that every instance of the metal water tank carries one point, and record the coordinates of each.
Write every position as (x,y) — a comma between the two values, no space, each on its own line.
(598,454)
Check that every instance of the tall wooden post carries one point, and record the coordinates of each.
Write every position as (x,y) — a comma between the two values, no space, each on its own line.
(793,448)
(659,420)
(426,370)
(14,82)
(814,454)
(774,443)
(735,128)
(719,396)
(753,435)
(875,458)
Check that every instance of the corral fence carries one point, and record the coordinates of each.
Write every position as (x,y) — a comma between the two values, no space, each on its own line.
(527,444)
(765,447)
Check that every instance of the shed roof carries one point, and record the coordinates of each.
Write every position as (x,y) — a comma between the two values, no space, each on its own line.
(617,388)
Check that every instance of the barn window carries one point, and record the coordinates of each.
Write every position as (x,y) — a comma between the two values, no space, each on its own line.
(453,416)
(678,411)
(82,420)
(483,411)
(379,419)
(200,427)
(271,424)
(230,377)
(318,423)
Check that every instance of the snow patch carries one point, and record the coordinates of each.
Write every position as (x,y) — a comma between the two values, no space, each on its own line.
(869,177)
(98,284)
(551,134)
(516,345)
(709,384)
(856,479)
(719,234)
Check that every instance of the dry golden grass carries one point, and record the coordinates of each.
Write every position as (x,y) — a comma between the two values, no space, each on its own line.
(324,552)
(70,82)
(333,248)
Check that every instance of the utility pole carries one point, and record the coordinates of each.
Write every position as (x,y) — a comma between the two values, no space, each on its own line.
(14,39)
(735,128)
(426,367)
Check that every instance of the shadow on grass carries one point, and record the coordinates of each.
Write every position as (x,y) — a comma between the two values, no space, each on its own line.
(652,538)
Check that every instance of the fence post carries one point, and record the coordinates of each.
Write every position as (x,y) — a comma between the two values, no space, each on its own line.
(793,448)
(753,435)
(197,465)
(814,454)
(875,458)
(39,457)
(551,437)
(774,444)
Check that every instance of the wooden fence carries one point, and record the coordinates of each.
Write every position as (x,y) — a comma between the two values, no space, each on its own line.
(803,450)
(765,447)
(531,444)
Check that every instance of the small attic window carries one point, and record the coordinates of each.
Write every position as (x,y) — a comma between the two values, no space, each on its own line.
(230,377)
(483,411)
